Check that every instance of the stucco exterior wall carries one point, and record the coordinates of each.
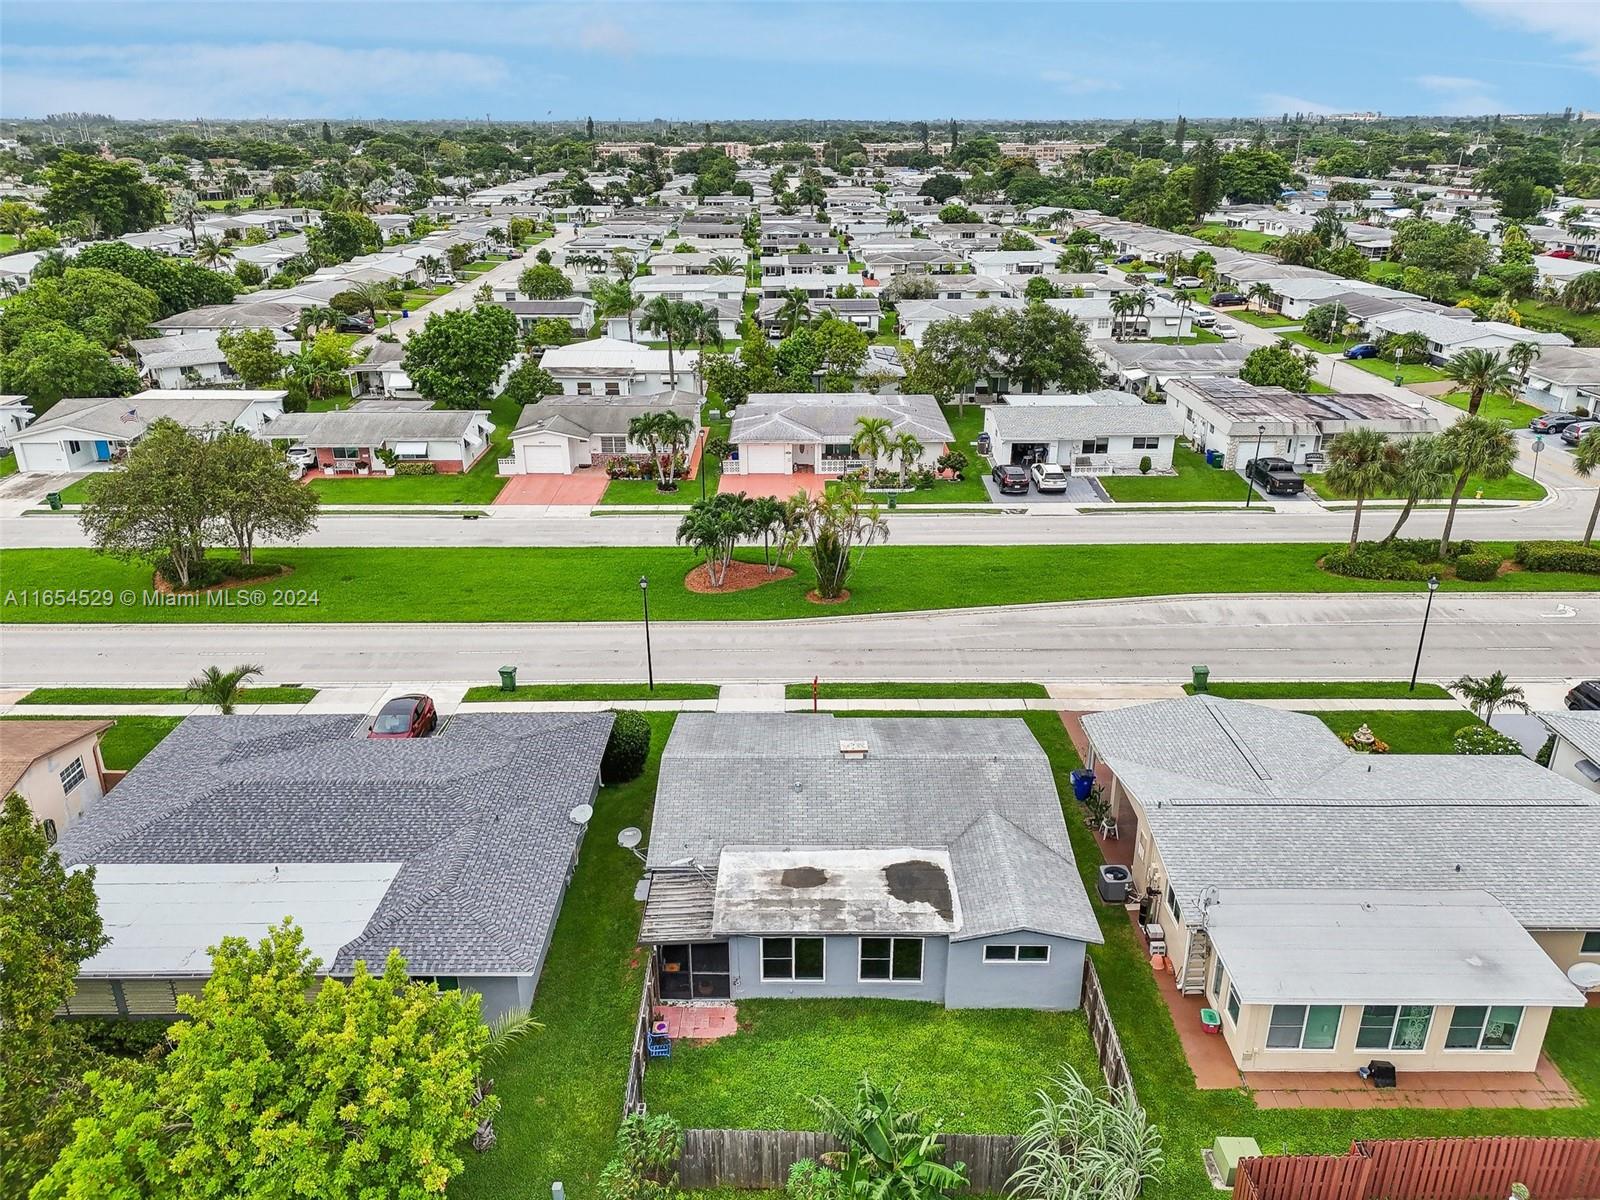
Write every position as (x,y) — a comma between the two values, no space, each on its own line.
(41,787)
(970,982)
(1564,946)
(841,971)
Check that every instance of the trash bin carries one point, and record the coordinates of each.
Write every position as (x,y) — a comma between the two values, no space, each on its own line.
(1082,783)
(508,679)
(53,499)
(1202,678)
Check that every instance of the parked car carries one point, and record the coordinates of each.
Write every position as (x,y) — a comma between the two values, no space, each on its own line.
(405,717)
(1159,277)
(1223,299)
(1560,254)
(1009,477)
(356,323)
(1552,422)
(1204,319)
(1189,281)
(301,456)
(1573,433)
(1585,697)
(1048,477)
(1276,476)
(1101,269)
(1362,350)
(1126,258)
(1227,332)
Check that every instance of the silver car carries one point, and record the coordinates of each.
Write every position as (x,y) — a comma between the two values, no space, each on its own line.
(1048,477)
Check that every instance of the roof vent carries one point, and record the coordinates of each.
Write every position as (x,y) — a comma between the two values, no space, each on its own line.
(853,747)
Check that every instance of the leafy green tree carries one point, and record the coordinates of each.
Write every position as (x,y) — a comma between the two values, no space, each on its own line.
(543,282)
(319,367)
(16,216)
(179,284)
(724,377)
(1040,288)
(959,214)
(102,305)
(342,236)
(1279,365)
(155,506)
(279,1085)
(529,384)
(940,187)
(1361,463)
(253,356)
(1205,184)
(39,237)
(1480,371)
(1254,176)
(51,362)
(890,1152)
(457,357)
(1298,249)
(1440,249)
(248,274)
(1474,446)
(223,689)
(49,924)
(113,193)
(251,495)
(1347,262)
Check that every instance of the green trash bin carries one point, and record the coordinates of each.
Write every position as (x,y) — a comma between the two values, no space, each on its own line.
(1202,677)
(508,679)
(53,499)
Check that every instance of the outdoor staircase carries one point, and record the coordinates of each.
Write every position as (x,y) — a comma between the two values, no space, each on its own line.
(1192,979)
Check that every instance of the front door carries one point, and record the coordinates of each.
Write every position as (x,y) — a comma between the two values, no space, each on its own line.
(102,452)
(694,971)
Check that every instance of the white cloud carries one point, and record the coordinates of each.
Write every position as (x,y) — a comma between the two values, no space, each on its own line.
(1576,24)
(1276,102)
(1460,96)
(1077,85)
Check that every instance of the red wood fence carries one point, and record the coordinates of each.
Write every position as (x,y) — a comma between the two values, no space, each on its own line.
(1429,1169)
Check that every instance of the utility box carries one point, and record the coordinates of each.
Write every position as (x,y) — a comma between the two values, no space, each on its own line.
(1227,1151)
(1202,679)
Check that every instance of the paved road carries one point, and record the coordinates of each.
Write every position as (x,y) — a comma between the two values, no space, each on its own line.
(1262,637)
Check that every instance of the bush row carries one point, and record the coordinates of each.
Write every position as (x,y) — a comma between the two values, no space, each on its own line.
(208,572)
(416,468)
(1559,556)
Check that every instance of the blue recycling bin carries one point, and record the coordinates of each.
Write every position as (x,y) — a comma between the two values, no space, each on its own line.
(1082,783)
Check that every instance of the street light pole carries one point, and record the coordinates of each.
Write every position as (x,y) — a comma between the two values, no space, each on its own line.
(1249,486)
(649,662)
(1433,586)
(1398,380)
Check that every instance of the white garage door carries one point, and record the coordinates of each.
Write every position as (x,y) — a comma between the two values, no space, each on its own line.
(40,456)
(546,460)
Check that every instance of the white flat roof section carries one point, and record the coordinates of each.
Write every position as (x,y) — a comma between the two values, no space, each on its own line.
(163,918)
(1401,946)
(888,891)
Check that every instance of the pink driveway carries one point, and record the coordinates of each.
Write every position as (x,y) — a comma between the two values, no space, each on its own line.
(780,486)
(584,488)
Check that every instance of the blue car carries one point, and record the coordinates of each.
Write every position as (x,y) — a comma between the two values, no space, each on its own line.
(1364,350)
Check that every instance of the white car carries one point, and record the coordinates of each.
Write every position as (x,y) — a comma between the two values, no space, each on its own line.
(1228,332)
(301,456)
(1188,281)
(1048,477)
(1205,319)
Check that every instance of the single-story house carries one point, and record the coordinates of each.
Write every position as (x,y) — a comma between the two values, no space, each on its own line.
(1036,261)
(815,284)
(1093,433)
(865,314)
(1072,284)
(55,766)
(381,373)
(794,855)
(348,441)
(610,366)
(1447,338)
(1161,318)
(248,314)
(1558,272)
(1576,756)
(787,433)
(689,287)
(576,312)
(779,235)
(454,849)
(1244,422)
(700,262)
(568,433)
(1146,368)
(15,413)
(914,316)
(885,261)
(712,231)
(191,360)
(1337,907)
(92,433)
(968,237)
(773,265)
(729,312)
(1564,378)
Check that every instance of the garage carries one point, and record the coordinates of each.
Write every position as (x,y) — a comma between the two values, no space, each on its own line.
(1024,454)
(544,458)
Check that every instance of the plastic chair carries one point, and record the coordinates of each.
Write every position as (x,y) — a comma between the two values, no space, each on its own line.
(658,1045)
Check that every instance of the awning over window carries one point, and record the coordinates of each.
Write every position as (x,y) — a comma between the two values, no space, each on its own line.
(407,448)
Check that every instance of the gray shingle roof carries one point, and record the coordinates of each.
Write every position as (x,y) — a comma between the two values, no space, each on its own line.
(477,816)
(1025,422)
(980,789)
(348,427)
(1582,729)
(588,416)
(808,416)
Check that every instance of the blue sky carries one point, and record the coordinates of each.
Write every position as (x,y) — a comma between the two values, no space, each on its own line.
(773,58)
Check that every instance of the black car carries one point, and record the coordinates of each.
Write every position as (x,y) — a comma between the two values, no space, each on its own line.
(356,323)
(1275,476)
(1585,697)
(1552,422)
(1226,298)
(1009,477)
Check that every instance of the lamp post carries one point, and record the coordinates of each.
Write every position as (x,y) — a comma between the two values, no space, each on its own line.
(1433,586)
(1249,486)
(1398,380)
(649,662)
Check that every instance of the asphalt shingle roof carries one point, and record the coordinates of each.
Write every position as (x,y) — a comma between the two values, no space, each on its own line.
(819,416)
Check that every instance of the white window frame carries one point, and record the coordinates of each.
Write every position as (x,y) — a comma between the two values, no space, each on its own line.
(1233,1008)
(1394,1024)
(792,977)
(1147,443)
(922,959)
(1016,959)
(1483,1027)
(618,445)
(1216,978)
(1305,1020)
(73,768)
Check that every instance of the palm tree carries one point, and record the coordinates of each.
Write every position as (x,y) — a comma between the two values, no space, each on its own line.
(907,449)
(616,298)
(1585,461)
(794,312)
(1122,304)
(374,295)
(1361,462)
(674,430)
(1474,446)
(1520,357)
(211,250)
(724,264)
(1259,294)
(645,430)
(185,207)
(222,688)
(703,327)
(1421,472)
(504,1032)
(713,527)
(1582,294)
(1479,371)
(665,316)
(1412,345)
(773,520)
(874,436)
(313,319)
(1490,693)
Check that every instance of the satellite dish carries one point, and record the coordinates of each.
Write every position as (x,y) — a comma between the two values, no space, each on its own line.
(629,838)
(1585,975)
(581,814)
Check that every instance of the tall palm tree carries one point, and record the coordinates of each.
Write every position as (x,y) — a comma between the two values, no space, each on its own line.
(703,327)
(1259,294)
(185,208)
(874,436)
(724,264)
(663,315)
(211,250)
(1361,463)
(674,430)
(222,688)
(1479,371)
(1585,461)
(373,295)
(616,298)
(1520,357)
(1474,446)
(1488,694)
(794,312)
(907,449)
(1421,472)
(1122,305)
(1412,345)
(645,430)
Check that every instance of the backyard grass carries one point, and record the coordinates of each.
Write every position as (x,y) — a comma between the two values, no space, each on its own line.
(1407,731)
(8,464)
(966,423)
(1243,239)
(958,690)
(1301,338)
(1383,368)
(1582,328)
(1200,337)
(125,744)
(644,491)
(561,1086)
(1262,320)
(1496,408)
(1512,487)
(477,486)
(107,695)
(521,583)
(8,243)
(1194,481)
(971,1070)
(594,691)
(1321,689)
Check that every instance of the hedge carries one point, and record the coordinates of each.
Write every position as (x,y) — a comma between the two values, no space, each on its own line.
(627,748)
(1559,556)
(415,468)
(1478,567)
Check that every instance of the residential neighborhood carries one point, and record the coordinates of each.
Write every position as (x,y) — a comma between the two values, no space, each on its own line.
(583,616)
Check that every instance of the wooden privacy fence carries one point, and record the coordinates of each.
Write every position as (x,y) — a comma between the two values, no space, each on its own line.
(761,1158)
(1107,1045)
(633,1092)
(1429,1169)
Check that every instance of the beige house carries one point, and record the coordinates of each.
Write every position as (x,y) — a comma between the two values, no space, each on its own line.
(1337,907)
(1576,753)
(56,767)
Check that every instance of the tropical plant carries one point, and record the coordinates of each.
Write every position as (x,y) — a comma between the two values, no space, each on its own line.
(1488,694)
(703,327)
(1123,305)
(1421,472)
(773,520)
(505,1031)
(1411,345)
(713,527)
(373,295)
(1480,371)
(1474,446)
(674,431)
(841,525)
(1361,462)
(906,448)
(1083,1144)
(616,298)
(873,438)
(668,317)
(223,688)
(890,1152)
(1259,294)
(1585,461)
(210,250)
(724,264)
(645,430)
(794,312)
(644,1166)
(1582,294)
(1520,357)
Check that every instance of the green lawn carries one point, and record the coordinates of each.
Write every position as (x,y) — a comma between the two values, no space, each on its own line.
(125,744)
(1582,328)
(8,464)
(972,1070)
(644,491)
(1383,368)
(106,695)
(1262,320)
(1194,481)
(1243,239)
(8,243)
(561,1086)
(595,691)
(918,691)
(519,583)
(1301,338)
(477,486)
(1406,731)
(1512,487)
(1200,337)
(1497,408)
(1322,689)
(966,423)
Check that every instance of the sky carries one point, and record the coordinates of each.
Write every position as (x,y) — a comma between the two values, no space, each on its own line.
(692,61)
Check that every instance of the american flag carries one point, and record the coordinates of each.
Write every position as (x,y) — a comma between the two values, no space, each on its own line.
(131,415)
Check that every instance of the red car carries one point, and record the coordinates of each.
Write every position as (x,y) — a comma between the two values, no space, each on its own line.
(405,717)
(1560,254)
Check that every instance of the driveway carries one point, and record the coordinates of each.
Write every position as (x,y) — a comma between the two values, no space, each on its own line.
(586,487)
(1081,489)
(780,487)
(34,487)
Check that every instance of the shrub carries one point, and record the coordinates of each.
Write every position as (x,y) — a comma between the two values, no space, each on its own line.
(1546,751)
(1478,567)
(416,468)
(209,572)
(810,1180)
(1559,556)
(1370,562)
(120,1037)
(644,1166)
(627,748)
(1480,739)
(1144,464)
